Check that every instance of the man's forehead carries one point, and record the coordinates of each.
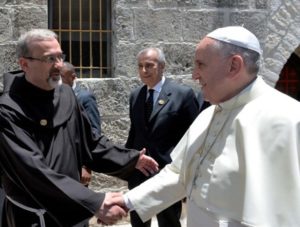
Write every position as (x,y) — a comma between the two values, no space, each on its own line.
(204,44)
(148,59)
(47,47)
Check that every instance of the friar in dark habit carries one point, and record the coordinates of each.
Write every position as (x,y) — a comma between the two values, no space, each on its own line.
(45,139)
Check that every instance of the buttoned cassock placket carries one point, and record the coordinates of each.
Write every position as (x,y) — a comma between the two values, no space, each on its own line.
(204,161)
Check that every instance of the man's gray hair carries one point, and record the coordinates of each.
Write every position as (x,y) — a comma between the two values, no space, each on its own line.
(68,67)
(23,44)
(161,56)
(250,57)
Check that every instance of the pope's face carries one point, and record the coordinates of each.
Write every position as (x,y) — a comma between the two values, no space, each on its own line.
(211,70)
(150,70)
(38,69)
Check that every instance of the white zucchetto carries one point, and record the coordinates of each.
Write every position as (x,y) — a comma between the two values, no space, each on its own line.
(237,35)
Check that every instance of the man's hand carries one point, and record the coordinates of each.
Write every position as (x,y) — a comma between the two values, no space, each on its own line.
(146,164)
(110,212)
(86,176)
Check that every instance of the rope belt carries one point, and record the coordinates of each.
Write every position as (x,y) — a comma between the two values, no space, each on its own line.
(39,212)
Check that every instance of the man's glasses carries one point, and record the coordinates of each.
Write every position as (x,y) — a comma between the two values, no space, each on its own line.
(50,59)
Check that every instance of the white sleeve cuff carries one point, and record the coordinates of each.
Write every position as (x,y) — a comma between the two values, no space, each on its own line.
(127,202)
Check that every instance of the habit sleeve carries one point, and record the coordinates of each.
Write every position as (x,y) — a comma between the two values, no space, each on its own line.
(106,157)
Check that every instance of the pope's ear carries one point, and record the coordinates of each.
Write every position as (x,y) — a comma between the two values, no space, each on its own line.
(236,64)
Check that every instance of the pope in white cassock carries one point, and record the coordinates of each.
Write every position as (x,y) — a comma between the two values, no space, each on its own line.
(238,164)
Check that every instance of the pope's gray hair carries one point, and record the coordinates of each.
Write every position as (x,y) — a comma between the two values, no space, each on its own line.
(23,44)
(161,56)
(251,58)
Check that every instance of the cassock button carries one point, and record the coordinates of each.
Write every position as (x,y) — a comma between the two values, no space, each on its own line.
(43,122)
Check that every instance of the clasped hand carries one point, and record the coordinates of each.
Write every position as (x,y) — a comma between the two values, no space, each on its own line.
(112,209)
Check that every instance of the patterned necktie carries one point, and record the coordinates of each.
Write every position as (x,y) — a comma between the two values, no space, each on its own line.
(149,105)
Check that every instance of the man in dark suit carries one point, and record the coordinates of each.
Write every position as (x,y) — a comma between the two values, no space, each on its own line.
(85,97)
(159,126)
(88,101)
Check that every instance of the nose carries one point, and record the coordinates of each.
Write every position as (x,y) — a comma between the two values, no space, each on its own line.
(144,69)
(58,64)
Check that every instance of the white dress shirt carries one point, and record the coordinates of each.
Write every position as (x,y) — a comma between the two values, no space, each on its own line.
(157,89)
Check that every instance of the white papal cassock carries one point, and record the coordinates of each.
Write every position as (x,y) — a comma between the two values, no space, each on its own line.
(238,165)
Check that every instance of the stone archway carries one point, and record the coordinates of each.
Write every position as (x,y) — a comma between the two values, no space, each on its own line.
(282,37)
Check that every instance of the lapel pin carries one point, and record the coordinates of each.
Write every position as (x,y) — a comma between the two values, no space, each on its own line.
(43,122)
(161,102)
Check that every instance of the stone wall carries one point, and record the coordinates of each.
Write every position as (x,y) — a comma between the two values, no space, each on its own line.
(17,16)
(175,26)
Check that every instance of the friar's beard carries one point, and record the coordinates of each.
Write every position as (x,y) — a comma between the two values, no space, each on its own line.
(54,81)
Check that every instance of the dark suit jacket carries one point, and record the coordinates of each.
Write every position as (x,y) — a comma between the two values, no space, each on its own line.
(88,101)
(174,111)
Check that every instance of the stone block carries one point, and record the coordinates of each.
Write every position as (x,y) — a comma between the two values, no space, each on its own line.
(116,128)
(292,8)
(279,57)
(275,4)
(273,64)
(294,28)
(272,41)
(27,17)
(282,17)
(8,60)
(290,42)
(125,57)
(8,2)
(179,57)
(158,25)
(132,3)
(284,49)
(269,76)
(196,24)
(5,24)
(112,97)
(4,2)
(276,28)
(124,24)
(256,22)
(172,3)
(240,4)
(262,4)
(112,94)
(31,2)
(105,183)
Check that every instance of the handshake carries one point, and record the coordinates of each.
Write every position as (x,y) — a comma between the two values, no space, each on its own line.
(112,209)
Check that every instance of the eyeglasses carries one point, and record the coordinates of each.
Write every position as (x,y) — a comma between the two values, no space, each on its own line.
(50,59)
